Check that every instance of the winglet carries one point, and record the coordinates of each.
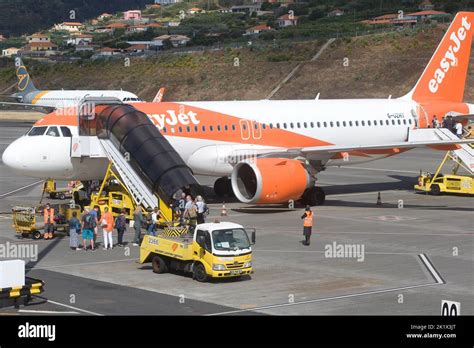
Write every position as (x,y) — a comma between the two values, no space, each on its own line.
(159,95)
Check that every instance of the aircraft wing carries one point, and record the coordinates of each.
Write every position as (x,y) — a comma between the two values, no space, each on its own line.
(24,106)
(323,151)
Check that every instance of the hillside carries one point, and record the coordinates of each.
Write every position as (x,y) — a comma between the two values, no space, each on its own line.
(379,65)
(27,16)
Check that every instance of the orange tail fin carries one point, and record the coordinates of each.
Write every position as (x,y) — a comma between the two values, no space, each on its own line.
(445,75)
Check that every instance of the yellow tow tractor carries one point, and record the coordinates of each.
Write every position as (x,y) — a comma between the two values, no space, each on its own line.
(50,188)
(213,250)
(447,183)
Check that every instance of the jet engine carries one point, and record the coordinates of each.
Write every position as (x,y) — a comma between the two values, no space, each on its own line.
(270,180)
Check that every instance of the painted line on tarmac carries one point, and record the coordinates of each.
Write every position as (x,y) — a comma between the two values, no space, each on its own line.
(68,306)
(431,268)
(364,193)
(33,311)
(79,264)
(375,292)
(21,188)
(418,234)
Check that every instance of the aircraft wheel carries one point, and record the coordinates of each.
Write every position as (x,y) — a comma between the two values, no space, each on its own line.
(314,196)
(222,186)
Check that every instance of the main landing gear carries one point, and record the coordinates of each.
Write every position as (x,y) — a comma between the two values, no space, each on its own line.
(223,187)
(313,196)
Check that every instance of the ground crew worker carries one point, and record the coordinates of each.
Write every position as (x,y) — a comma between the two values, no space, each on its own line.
(48,213)
(307,224)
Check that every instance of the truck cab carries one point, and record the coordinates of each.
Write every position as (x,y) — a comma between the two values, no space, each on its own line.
(214,250)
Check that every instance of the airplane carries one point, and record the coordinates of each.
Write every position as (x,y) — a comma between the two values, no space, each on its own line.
(270,151)
(49,100)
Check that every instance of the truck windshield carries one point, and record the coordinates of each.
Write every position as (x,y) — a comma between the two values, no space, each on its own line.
(231,239)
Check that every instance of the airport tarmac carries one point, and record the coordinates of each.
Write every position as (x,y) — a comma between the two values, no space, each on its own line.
(418,251)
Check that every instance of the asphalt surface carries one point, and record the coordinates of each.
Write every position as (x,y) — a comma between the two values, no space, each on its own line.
(290,279)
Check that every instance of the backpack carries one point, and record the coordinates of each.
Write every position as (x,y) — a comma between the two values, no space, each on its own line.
(121,223)
(89,221)
(192,212)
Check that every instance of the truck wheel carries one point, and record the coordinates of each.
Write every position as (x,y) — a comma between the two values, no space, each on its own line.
(62,196)
(435,190)
(36,235)
(159,265)
(200,273)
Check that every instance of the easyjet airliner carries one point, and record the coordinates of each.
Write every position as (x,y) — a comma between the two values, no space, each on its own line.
(272,150)
(29,96)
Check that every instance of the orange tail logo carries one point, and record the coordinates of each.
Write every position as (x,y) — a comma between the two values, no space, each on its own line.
(445,76)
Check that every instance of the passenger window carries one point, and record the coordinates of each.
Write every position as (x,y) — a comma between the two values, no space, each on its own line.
(319,124)
(387,122)
(399,122)
(164,129)
(393,122)
(362,123)
(256,125)
(226,128)
(233,127)
(188,129)
(195,128)
(291,124)
(284,125)
(53,132)
(331,124)
(409,121)
(368,123)
(375,122)
(305,125)
(180,129)
(343,123)
(66,132)
(219,128)
(37,131)
(264,126)
(271,125)
(244,126)
(350,123)
(211,128)
(278,125)
(325,124)
(337,123)
(203,128)
(312,124)
(357,123)
(298,125)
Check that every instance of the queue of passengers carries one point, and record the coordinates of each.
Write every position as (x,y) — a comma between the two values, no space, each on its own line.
(188,211)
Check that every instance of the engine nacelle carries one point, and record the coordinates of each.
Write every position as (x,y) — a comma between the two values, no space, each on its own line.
(270,180)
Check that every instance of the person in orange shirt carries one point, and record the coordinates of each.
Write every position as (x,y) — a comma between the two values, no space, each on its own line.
(307,224)
(107,224)
(48,214)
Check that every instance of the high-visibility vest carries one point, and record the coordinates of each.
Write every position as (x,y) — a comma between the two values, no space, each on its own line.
(308,220)
(49,215)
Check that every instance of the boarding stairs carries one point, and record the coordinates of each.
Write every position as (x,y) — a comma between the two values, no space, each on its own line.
(140,192)
(465,153)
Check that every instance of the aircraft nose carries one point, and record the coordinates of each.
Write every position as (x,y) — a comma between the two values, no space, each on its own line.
(10,156)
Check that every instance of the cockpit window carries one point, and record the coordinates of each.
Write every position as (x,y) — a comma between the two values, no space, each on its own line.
(53,132)
(36,131)
(66,131)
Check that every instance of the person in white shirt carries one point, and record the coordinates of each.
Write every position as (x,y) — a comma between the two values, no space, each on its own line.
(459,129)
(201,209)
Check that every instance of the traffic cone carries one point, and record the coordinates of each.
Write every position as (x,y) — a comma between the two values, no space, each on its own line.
(224,210)
(379,199)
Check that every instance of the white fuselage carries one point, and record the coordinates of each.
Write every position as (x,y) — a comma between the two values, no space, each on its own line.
(232,129)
